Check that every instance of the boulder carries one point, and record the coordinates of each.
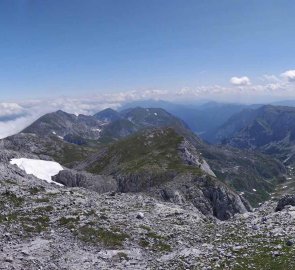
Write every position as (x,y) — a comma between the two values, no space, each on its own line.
(286,200)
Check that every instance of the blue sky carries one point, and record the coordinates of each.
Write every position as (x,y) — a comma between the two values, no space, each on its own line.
(84,47)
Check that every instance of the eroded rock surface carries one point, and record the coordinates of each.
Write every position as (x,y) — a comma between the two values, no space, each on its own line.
(44,226)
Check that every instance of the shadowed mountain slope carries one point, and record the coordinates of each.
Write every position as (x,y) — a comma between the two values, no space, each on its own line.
(269,129)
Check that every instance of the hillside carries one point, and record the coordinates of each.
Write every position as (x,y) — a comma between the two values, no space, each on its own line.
(44,226)
(107,115)
(252,174)
(64,124)
(270,129)
(161,155)
(159,162)
(49,147)
(150,150)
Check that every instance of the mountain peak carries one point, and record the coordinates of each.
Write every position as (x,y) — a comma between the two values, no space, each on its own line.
(107,115)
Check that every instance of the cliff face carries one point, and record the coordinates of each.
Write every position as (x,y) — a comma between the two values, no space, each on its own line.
(204,193)
(99,183)
(225,204)
(207,194)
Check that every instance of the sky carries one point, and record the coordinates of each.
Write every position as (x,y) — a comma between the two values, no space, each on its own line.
(106,52)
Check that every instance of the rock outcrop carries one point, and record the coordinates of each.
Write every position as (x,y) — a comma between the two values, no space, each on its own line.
(208,196)
(286,200)
(98,183)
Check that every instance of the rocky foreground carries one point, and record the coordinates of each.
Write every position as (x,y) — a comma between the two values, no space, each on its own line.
(44,226)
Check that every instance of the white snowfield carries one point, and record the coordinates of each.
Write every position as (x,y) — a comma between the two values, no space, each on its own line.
(42,169)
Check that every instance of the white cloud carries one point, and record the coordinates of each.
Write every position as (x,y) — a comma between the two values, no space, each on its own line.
(240,81)
(270,78)
(11,127)
(9,110)
(289,75)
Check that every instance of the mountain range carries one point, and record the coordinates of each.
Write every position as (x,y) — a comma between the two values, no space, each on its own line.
(138,188)
(105,126)
(202,118)
(269,129)
(144,149)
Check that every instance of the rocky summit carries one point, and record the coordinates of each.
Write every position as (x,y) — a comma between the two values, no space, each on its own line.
(45,226)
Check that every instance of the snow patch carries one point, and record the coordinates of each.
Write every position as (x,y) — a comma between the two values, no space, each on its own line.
(97,129)
(155,114)
(42,169)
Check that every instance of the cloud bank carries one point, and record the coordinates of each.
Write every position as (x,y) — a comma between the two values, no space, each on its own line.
(16,115)
(10,111)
